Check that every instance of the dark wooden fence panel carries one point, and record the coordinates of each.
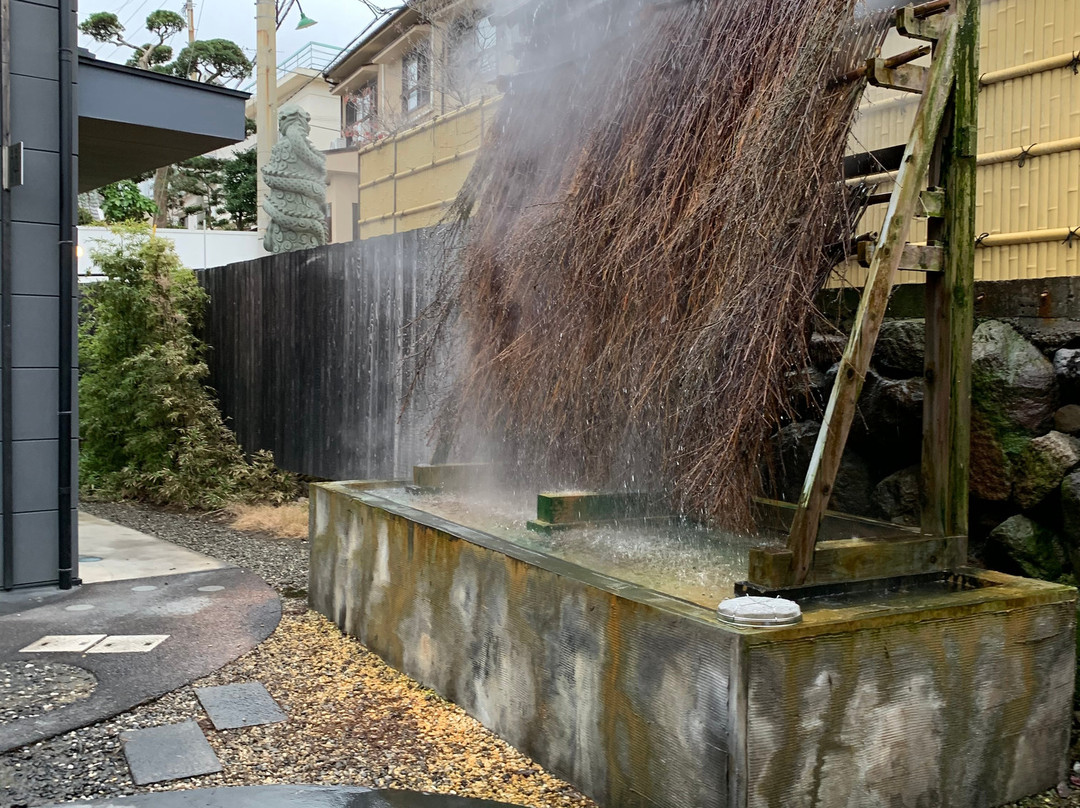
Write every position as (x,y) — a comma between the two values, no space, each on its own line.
(307,356)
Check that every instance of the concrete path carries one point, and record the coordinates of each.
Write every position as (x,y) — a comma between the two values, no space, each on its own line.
(127,554)
(183,618)
(286,797)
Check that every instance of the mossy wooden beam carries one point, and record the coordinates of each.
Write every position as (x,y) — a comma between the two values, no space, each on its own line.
(950,302)
(905,78)
(846,560)
(915,258)
(840,412)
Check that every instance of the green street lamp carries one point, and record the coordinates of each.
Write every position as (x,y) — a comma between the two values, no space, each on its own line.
(305,20)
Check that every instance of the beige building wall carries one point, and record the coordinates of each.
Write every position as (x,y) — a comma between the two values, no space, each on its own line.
(407,181)
(1030,97)
(341,193)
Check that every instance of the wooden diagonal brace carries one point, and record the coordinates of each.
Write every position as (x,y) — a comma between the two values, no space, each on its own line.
(855,362)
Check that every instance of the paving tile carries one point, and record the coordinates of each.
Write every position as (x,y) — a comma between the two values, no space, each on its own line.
(169,752)
(241,705)
(128,643)
(62,643)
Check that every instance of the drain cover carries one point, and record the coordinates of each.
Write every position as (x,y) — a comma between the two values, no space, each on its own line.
(758,611)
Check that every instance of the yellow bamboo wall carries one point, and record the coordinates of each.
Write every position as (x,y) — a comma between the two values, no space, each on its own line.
(406,182)
(1044,193)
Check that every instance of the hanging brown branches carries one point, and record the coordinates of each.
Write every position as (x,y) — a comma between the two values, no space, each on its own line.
(641,243)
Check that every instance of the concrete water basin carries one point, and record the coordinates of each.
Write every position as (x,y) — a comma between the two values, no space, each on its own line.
(613,670)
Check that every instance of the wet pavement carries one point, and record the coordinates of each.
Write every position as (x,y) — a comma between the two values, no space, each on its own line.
(158,617)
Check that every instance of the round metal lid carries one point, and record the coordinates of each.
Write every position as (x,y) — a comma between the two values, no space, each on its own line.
(750,610)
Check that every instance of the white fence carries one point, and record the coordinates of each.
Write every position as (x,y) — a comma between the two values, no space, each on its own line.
(198,249)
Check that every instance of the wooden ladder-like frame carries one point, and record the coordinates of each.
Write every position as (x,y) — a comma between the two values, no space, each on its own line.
(942,150)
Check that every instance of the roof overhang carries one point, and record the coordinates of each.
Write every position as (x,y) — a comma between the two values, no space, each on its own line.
(132,121)
(364,53)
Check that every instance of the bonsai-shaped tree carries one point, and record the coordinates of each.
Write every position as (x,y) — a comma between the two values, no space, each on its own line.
(104,26)
(213,61)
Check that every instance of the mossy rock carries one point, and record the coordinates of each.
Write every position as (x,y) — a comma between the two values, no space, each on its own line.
(1013,399)
(1035,549)
(1070,510)
(1012,383)
(1042,465)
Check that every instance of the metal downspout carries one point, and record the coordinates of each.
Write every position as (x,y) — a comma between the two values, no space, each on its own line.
(67,271)
(7,459)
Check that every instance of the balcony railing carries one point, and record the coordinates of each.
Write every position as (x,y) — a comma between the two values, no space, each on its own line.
(313,56)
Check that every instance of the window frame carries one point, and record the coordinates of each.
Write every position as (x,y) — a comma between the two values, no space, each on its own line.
(362,113)
(418,86)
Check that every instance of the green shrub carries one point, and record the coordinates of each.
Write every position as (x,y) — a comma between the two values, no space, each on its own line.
(150,427)
(123,202)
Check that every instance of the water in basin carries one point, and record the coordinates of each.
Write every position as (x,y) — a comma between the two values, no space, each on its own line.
(679,559)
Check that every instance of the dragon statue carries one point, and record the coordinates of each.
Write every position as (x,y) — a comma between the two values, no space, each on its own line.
(296,187)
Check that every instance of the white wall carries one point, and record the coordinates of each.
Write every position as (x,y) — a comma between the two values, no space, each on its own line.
(197,249)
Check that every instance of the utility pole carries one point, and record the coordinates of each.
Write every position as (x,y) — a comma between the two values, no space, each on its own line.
(266,107)
(190,8)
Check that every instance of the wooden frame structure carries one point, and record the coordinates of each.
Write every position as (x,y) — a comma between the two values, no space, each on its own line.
(940,155)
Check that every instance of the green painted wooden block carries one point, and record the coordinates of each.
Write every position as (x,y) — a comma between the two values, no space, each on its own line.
(451,476)
(570,507)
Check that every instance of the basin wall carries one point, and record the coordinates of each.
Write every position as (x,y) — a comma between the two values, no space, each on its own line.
(625,700)
(966,707)
(637,698)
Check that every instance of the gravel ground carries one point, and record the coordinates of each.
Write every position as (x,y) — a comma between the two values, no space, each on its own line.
(32,688)
(353,720)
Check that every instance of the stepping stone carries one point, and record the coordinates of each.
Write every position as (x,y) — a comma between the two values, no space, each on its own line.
(170,752)
(242,705)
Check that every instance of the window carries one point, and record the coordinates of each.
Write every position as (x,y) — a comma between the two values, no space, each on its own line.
(471,56)
(362,113)
(415,81)
(487,61)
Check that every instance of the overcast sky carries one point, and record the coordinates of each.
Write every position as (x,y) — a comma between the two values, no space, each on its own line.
(339,22)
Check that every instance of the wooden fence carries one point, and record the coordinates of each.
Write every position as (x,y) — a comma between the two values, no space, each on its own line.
(307,354)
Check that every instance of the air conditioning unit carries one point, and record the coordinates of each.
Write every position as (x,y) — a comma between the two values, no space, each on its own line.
(339,143)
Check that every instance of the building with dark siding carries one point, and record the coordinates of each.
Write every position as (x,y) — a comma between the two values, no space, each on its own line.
(68,123)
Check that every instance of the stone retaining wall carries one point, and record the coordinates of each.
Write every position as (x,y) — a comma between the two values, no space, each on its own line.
(1025,464)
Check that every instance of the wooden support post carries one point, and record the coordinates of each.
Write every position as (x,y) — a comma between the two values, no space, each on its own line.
(840,411)
(950,303)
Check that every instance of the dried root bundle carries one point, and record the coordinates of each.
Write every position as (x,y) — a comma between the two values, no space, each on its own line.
(640,244)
